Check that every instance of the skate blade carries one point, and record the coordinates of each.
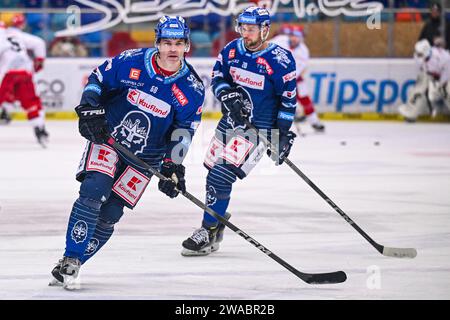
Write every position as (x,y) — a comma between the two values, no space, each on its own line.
(191,253)
(43,144)
(215,247)
(71,283)
(55,283)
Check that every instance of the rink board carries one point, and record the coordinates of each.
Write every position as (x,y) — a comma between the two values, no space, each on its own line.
(337,86)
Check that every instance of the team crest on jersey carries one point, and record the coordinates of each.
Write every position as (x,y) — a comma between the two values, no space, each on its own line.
(196,84)
(211,196)
(281,56)
(92,246)
(133,131)
(79,231)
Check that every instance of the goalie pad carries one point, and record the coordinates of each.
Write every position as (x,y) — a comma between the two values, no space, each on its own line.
(417,103)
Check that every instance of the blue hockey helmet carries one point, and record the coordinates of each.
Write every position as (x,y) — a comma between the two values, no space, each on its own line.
(257,16)
(254,15)
(172,28)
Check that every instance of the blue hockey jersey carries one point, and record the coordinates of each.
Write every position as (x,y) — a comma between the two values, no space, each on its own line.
(143,108)
(269,78)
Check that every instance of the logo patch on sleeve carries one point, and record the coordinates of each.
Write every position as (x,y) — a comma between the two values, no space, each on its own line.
(134,74)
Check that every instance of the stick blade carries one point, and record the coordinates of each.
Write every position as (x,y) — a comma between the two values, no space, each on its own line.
(324,278)
(400,252)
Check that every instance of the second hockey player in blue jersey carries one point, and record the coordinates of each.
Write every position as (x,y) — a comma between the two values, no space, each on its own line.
(256,81)
(150,101)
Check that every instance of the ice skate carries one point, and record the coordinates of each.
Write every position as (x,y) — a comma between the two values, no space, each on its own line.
(41,136)
(200,243)
(219,235)
(4,117)
(70,268)
(318,127)
(57,279)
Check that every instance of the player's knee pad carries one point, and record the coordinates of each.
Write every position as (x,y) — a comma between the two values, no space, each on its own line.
(96,186)
(111,212)
(89,202)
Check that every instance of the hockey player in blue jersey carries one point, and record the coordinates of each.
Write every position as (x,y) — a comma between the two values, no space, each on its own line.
(150,101)
(254,80)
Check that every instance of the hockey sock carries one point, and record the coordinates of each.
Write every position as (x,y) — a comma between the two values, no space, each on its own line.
(81,227)
(110,213)
(103,231)
(313,118)
(307,104)
(218,189)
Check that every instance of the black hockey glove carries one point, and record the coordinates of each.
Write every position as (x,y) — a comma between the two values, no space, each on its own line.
(284,147)
(233,106)
(92,123)
(175,172)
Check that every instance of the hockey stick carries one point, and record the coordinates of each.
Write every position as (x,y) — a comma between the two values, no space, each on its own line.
(387,251)
(311,278)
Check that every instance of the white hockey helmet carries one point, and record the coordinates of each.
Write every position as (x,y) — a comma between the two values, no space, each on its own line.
(422,49)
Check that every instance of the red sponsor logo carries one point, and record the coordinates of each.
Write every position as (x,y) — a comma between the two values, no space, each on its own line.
(289,76)
(246,80)
(102,155)
(199,110)
(264,63)
(133,96)
(235,145)
(232,54)
(134,74)
(213,150)
(133,182)
(152,107)
(179,95)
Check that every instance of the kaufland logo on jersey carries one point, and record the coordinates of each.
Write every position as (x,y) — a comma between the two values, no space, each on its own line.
(148,103)
(179,95)
(247,78)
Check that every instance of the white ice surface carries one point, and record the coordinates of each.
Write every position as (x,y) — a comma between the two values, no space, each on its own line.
(398,192)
